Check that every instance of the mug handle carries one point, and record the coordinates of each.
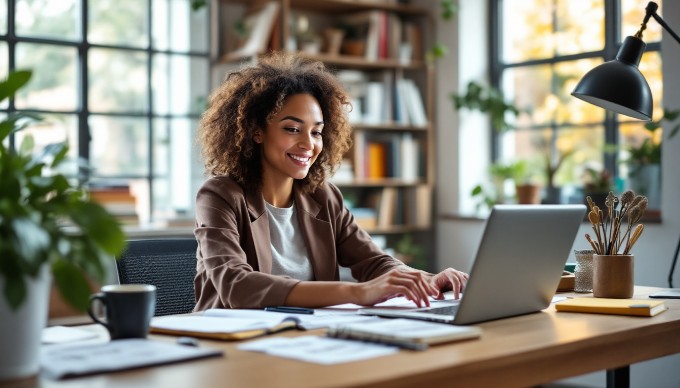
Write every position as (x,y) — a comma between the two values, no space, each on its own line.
(102,298)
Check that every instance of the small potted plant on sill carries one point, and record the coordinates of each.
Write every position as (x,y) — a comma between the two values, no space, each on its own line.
(48,229)
(597,184)
(644,159)
(616,229)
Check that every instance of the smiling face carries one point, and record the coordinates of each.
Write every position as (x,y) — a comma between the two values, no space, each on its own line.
(292,141)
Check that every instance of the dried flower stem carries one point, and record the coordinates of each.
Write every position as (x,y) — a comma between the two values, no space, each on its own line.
(635,236)
(608,225)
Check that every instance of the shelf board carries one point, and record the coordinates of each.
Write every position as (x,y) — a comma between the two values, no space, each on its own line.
(388,127)
(339,61)
(398,229)
(348,6)
(384,182)
(358,62)
(357,5)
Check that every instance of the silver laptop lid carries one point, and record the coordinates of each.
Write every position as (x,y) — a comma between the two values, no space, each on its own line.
(519,261)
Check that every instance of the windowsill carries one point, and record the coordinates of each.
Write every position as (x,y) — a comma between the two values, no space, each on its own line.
(650,217)
(138,232)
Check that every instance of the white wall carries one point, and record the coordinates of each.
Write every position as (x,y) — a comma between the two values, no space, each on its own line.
(463,149)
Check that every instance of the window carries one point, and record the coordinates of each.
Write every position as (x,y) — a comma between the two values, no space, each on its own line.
(542,48)
(124,83)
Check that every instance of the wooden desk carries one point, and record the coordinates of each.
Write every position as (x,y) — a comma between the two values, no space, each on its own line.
(520,351)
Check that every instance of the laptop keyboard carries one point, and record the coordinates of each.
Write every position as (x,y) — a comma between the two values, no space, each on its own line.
(444,310)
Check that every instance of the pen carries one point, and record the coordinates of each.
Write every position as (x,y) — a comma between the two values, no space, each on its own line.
(291,310)
(382,341)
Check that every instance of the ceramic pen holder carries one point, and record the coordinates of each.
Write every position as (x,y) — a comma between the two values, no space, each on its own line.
(613,276)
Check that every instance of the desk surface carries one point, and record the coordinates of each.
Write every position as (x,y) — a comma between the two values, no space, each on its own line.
(520,351)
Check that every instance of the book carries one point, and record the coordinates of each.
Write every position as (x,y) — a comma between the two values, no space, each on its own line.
(259,26)
(219,328)
(401,331)
(238,324)
(639,307)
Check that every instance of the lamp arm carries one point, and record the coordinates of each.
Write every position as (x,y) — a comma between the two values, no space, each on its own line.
(666,27)
(675,260)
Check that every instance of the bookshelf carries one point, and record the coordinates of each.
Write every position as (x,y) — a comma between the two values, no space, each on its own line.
(388,175)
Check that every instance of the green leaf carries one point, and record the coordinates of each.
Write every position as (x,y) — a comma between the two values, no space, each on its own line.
(14,81)
(476,190)
(448,9)
(15,291)
(198,4)
(100,226)
(27,145)
(72,284)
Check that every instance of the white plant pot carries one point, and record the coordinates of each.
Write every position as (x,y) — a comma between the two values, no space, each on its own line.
(21,329)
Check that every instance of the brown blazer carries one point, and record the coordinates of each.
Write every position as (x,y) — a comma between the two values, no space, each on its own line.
(234,247)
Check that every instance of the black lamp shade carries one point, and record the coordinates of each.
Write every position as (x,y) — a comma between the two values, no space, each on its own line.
(618,85)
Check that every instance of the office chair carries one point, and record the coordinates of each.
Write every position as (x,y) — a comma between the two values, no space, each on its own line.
(168,264)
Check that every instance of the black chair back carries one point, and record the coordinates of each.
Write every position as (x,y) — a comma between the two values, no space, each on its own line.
(168,264)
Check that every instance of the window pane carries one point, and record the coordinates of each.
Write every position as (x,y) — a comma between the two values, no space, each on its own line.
(640,152)
(576,146)
(632,14)
(539,29)
(48,19)
(545,91)
(3,17)
(580,26)
(527,30)
(54,128)
(570,109)
(650,67)
(4,68)
(180,84)
(175,165)
(123,23)
(119,146)
(54,84)
(118,81)
(177,27)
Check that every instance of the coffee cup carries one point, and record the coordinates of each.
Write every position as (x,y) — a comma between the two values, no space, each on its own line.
(128,309)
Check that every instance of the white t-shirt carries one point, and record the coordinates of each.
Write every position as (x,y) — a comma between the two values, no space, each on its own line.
(289,252)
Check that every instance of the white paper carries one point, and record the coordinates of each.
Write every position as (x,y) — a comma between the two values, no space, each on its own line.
(306,321)
(58,361)
(213,324)
(318,350)
(62,334)
(399,301)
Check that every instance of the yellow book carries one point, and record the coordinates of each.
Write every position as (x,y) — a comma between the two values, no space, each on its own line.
(639,307)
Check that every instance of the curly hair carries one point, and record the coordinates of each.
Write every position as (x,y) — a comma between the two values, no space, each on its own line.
(248,100)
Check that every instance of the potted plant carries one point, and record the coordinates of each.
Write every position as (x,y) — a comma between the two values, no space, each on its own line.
(644,159)
(597,184)
(528,192)
(500,173)
(487,100)
(48,229)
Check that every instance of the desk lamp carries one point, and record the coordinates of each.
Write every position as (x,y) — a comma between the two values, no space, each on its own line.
(618,85)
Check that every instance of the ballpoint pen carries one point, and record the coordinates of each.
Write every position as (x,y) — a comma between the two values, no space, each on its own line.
(291,310)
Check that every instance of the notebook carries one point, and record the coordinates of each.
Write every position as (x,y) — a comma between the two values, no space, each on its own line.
(516,270)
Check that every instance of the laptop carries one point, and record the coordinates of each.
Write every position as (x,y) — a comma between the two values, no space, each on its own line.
(517,268)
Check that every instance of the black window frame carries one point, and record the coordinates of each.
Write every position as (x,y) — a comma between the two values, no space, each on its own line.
(82,112)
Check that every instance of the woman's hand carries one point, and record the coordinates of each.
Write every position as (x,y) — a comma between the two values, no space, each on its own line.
(449,280)
(414,285)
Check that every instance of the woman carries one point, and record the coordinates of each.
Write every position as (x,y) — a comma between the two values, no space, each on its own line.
(271,230)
